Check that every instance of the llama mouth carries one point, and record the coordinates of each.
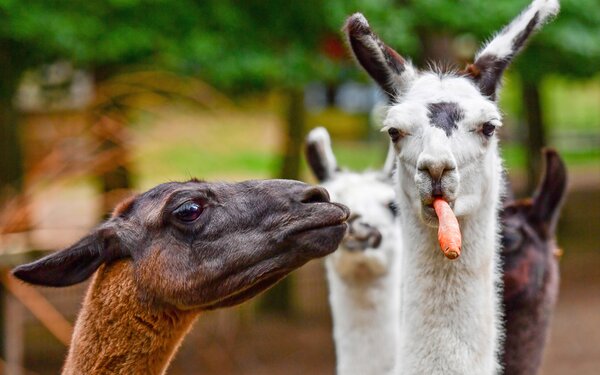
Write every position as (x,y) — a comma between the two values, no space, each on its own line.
(331,221)
(329,225)
(428,212)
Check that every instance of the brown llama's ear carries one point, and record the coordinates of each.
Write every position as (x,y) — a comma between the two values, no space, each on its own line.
(495,57)
(75,263)
(390,70)
(319,154)
(548,199)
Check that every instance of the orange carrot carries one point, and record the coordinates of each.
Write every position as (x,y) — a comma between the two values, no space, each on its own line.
(448,231)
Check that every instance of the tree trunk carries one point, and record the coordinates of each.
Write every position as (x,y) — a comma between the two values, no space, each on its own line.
(110,127)
(536,134)
(278,299)
(295,119)
(11,161)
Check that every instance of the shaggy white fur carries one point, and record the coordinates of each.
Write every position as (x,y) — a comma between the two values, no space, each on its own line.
(442,126)
(449,319)
(363,273)
(502,45)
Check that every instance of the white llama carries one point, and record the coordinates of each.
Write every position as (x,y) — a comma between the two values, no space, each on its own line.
(442,126)
(362,274)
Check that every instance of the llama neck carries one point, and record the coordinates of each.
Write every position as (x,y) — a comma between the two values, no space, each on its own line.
(365,321)
(528,311)
(449,309)
(115,333)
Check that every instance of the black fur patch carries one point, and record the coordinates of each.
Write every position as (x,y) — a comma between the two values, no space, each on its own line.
(522,37)
(491,67)
(445,116)
(316,161)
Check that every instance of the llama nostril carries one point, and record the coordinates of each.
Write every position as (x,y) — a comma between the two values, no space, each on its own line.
(375,239)
(362,236)
(315,194)
(353,216)
(436,170)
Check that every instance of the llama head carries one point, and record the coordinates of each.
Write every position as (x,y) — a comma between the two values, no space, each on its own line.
(204,245)
(370,197)
(528,233)
(443,124)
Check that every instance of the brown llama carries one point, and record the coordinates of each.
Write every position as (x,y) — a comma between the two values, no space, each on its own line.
(177,250)
(531,275)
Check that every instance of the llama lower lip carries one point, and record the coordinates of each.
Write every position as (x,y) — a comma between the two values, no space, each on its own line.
(318,241)
(329,220)
(334,225)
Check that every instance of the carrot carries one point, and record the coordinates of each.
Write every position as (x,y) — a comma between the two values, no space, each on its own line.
(448,231)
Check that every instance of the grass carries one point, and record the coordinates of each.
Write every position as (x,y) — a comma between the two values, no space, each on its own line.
(184,161)
(236,144)
(189,160)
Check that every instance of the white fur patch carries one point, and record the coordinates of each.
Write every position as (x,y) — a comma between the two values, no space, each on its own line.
(502,44)
(364,288)
(320,137)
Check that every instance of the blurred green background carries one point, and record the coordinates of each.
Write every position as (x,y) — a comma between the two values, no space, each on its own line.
(101,98)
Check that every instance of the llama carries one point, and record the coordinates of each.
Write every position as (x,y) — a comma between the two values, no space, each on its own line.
(442,126)
(531,269)
(362,275)
(175,251)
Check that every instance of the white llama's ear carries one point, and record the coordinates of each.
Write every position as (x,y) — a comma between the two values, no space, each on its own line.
(495,57)
(75,263)
(390,70)
(550,194)
(319,154)
(390,161)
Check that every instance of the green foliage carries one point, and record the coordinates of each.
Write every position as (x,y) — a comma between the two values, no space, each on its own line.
(96,32)
(569,46)
(256,44)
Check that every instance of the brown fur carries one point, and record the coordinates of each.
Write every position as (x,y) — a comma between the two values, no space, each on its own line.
(124,207)
(472,70)
(115,333)
(531,272)
(176,250)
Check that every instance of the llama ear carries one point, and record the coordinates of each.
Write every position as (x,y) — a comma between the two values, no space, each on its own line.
(495,57)
(390,70)
(390,161)
(548,199)
(75,263)
(319,154)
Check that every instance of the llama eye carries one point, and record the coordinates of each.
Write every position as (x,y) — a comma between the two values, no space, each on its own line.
(488,129)
(395,134)
(393,209)
(188,212)
(511,239)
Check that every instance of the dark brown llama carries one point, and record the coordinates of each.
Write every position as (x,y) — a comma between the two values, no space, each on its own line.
(175,251)
(531,275)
